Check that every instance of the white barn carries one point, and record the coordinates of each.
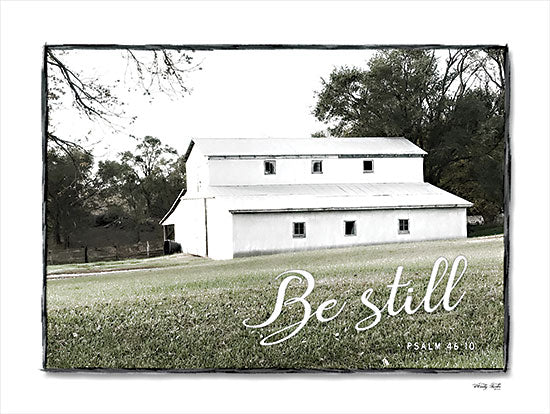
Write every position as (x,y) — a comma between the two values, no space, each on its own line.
(253,196)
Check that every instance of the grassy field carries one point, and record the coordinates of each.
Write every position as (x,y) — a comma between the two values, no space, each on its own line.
(187,313)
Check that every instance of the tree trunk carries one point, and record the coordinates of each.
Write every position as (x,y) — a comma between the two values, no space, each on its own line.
(57,230)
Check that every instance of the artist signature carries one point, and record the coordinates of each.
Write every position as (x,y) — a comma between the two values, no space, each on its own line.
(483,385)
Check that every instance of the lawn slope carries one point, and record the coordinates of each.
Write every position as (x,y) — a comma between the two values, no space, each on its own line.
(187,314)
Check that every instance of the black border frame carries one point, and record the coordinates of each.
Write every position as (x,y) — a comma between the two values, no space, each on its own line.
(212,47)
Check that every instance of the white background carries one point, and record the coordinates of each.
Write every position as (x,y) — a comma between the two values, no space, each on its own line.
(26,26)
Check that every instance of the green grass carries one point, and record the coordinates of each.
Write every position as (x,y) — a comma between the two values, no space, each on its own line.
(188,314)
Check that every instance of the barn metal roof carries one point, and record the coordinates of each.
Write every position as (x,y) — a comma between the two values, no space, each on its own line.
(311,197)
(326,197)
(273,147)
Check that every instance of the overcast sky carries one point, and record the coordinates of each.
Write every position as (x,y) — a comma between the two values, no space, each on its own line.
(244,93)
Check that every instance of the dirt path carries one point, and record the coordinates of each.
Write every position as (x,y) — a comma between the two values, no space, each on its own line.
(153,263)
(101,272)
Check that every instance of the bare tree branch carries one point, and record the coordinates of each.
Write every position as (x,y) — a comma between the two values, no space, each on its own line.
(150,71)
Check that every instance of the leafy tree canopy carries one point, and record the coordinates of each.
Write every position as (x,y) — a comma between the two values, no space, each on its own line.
(70,191)
(142,184)
(132,192)
(451,106)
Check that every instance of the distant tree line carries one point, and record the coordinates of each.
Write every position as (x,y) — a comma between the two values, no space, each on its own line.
(131,192)
(452,107)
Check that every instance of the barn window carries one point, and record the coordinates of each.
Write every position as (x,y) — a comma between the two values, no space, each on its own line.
(169,232)
(368,166)
(403,226)
(269,167)
(299,229)
(349,228)
(317,167)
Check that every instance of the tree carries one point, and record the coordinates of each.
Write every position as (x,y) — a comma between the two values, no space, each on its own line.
(142,184)
(150,71)
(70,189)
(452,109)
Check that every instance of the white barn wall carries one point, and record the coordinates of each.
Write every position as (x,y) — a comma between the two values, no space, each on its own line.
(196,170)
(268,232)
(189,226)
(220,230)
(298,171)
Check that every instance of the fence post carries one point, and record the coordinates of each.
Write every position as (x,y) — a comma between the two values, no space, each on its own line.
(85,254)
(147,248)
